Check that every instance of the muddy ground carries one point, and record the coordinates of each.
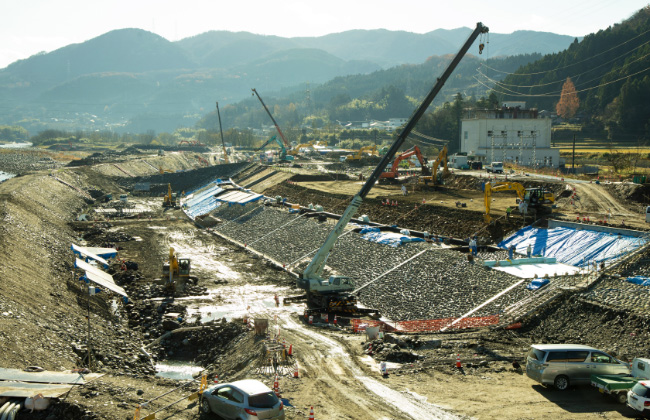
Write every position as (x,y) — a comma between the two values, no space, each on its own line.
(43,318)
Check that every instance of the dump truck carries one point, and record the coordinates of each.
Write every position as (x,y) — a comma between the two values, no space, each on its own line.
(618,385)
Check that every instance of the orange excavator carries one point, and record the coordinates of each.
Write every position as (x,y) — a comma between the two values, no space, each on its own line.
(391,174)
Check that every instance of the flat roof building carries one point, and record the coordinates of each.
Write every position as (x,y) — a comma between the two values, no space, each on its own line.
(510,135)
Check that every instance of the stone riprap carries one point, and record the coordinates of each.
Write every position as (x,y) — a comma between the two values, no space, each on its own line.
(437,284)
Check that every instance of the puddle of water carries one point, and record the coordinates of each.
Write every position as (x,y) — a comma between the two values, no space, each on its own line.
(243,300)
(174,369)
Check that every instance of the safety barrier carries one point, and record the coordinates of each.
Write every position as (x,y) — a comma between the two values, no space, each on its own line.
(428,325)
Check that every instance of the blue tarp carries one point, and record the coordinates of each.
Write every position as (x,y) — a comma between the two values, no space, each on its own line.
(572,246)
(203,202)
(373,234)
(640,280)
(537,284)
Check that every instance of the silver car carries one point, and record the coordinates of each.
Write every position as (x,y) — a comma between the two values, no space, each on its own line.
(248,399)
(562,365)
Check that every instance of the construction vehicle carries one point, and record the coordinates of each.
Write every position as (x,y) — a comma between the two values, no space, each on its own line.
(360,153)
(283,152)
(277,127)
(435,178)
(202,160)
(223,144)
(392,174)
(296,150)
(337,294)
(164,171)
(169,200)
(175,270)
(535,198)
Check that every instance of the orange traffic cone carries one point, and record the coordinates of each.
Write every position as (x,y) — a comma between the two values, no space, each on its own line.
(458,365)
(334,319)
(295,371)
(216,379)
(276,386)
(290,350)
(311,414)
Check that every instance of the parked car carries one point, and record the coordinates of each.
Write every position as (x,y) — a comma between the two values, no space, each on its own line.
(562,365)
(247,399)
(638,398)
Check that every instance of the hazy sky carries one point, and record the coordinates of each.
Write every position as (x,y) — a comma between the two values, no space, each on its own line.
(30,26)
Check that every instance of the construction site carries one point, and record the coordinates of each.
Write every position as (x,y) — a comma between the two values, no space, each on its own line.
(369,285)
(242,234)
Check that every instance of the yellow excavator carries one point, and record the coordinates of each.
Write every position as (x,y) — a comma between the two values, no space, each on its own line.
(431,180)
(372,150)
(169,200)
(533,197)
(174,270)
(164,171)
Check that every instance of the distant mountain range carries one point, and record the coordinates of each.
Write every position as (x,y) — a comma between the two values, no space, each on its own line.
(131,75)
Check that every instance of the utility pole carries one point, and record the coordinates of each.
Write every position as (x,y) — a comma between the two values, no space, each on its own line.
(90,364)
(223,144)
(574,155)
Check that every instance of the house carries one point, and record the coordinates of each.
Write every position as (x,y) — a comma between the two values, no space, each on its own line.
(511,135)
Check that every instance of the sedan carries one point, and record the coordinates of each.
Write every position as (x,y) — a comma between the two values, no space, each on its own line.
(247,399)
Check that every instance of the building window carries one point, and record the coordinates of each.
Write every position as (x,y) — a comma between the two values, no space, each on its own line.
(519,133)
(504,133)
(490,134)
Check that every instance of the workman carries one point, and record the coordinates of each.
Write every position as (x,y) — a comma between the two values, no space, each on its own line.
(472,246)
(508,211)
(403,189)
(511,252)
(529,251)
(277,300)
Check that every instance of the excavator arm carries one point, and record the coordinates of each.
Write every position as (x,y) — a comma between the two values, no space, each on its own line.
(500,186)
(311,279)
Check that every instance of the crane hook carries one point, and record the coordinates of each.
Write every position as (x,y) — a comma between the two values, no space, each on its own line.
(480,48)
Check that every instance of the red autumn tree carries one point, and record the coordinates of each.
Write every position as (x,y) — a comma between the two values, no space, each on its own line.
(568,104)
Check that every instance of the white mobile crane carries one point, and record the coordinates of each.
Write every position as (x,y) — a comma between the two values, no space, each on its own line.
(336,293)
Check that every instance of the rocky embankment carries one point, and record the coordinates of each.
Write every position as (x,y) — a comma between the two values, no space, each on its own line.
(22,161)
(439,283)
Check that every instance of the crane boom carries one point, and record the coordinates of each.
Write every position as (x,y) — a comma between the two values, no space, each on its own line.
(223,144)
(277,127)
(311,277)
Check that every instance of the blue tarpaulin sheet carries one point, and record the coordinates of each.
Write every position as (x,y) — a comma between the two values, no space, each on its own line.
(203,202)
(572,246)
(373,234)
(640,280)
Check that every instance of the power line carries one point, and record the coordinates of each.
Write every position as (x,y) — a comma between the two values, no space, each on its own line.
(572,64)
(548,95)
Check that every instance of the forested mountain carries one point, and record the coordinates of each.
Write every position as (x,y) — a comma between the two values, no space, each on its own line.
(611,73)
(134,80)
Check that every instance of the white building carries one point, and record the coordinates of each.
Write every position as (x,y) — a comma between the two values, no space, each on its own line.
(509,135)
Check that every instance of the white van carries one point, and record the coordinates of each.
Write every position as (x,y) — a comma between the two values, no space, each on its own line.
(562,365)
